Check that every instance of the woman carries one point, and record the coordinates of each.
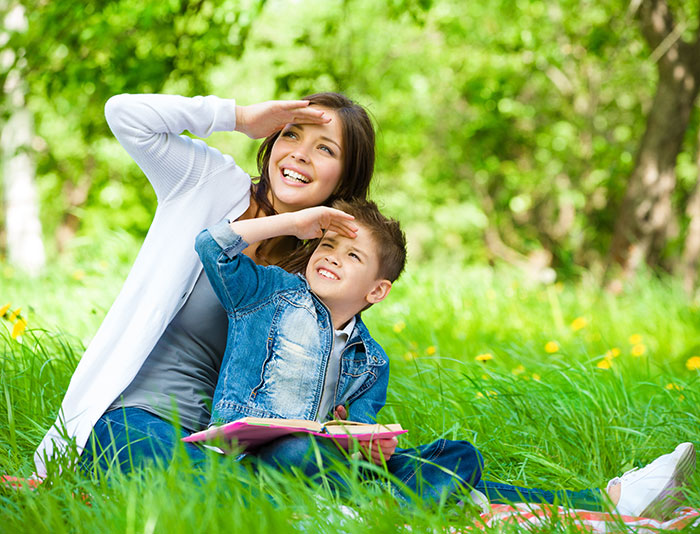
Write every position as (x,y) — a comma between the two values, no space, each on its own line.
(158,349)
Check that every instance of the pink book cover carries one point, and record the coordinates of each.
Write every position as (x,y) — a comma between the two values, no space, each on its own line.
(251,435)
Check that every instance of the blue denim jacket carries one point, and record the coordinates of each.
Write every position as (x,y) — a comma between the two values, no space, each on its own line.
(280,338)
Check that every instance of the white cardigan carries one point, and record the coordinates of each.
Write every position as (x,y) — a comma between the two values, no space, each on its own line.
(196,186)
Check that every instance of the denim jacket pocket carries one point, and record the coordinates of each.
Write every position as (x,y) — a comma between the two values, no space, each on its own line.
(290,378)
(359,373)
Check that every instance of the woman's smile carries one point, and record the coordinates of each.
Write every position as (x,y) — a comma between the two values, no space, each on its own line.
(306,163)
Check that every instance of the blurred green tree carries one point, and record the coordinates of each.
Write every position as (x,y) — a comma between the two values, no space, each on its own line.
(72,56)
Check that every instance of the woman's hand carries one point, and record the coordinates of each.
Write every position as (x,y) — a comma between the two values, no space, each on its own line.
(261,120)
(377,451)
(311,223)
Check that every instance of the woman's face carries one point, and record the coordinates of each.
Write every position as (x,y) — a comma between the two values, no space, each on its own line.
(305,165)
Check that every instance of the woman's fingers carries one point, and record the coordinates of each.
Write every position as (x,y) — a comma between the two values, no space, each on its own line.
(300,112)
(266,118)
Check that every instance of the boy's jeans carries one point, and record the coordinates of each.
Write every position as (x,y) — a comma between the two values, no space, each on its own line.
(428,472)
(131,438)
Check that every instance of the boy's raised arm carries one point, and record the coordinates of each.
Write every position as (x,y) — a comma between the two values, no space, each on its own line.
(309,223)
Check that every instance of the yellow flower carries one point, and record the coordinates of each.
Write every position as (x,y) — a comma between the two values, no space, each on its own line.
(430,350)
(14,315)
(604,364)
(537,377)
(578,323)
(18,328)
(635,339)
(551,347)
(491,294)
(638,349)
(78,274)
(520,369)
(559,287)
(614,352)
(479,395)
(484,377)
(671,386)
(4,309)
(398,327)
(409,356)
(484,357)
(693,363)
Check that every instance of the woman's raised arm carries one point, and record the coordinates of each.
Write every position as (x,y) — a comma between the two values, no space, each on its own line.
(149,128)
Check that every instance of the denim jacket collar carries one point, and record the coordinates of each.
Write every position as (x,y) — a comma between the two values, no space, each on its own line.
(360,334)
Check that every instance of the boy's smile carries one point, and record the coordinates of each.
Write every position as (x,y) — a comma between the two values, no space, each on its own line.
(344,273)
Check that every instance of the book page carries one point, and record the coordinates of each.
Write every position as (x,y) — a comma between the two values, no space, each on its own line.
(352,428)
(271,421)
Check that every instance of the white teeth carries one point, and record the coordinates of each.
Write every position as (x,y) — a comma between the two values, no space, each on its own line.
(327,274)
(295,175)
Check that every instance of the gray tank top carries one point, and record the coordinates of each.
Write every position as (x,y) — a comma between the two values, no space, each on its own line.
(180,373)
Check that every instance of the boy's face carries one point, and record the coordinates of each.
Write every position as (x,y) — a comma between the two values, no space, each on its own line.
(344,272)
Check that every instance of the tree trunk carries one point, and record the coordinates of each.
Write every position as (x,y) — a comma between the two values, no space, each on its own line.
(25,248)
(646,211)
(691,247)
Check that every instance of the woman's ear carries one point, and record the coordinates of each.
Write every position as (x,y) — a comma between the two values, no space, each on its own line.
(379,293)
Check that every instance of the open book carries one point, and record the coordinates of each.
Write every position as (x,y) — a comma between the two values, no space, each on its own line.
(251,432)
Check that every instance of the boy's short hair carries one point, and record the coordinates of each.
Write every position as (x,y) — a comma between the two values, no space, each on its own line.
(389,238)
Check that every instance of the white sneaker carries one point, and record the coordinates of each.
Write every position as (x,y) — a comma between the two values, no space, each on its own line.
(655,490)
(480,500)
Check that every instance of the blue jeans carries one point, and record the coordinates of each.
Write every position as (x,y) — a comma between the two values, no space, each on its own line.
(428,472)
(127,439)
(131,438)
(588,499)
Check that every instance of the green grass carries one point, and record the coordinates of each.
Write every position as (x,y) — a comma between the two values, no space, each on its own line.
(552,419)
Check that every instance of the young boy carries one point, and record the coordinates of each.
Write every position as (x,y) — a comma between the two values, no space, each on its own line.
(297,347)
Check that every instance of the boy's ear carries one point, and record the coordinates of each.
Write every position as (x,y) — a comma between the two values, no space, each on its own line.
(379,293)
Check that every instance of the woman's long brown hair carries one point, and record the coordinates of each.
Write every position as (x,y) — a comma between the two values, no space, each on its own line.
(358,166)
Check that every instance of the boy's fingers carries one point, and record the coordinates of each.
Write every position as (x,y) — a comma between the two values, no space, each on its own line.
(340,214)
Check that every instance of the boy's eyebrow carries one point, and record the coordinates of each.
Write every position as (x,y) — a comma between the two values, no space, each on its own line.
(333,241)
(323,137)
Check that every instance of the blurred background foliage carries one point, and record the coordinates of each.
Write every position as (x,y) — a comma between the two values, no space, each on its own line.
(508,129)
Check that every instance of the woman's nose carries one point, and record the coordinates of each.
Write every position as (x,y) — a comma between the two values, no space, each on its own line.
(300,155)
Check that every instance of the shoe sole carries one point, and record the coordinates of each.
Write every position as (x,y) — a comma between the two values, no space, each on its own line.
(671,496)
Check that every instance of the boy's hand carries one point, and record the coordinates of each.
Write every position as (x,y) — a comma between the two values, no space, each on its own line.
(379,451)
(340,413)
(311,223)
(261,120)
(374,450)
